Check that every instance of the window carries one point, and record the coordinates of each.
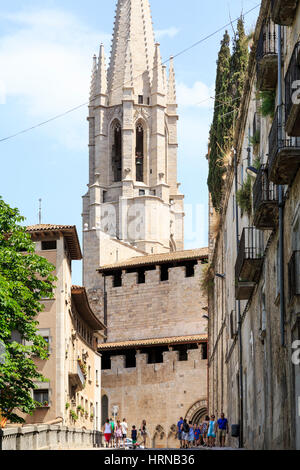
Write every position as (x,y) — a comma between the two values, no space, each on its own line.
(117,153)
(117,282)
(141,99)
(164,273)
(139,152)
(49,245)
(41,396)
(190,270)
(104,196)
(142,192)
(204,351)
(141,277)
(148,101)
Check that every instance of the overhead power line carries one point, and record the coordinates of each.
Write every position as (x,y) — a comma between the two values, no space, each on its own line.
(58,116)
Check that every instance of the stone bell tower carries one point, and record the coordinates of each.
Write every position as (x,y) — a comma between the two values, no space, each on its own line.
(133,205)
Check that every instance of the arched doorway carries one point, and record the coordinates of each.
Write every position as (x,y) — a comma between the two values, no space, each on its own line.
(197,412)
(104,409)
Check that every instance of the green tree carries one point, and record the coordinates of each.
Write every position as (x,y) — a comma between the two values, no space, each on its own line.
(221,129)
(239,62)
(25,278)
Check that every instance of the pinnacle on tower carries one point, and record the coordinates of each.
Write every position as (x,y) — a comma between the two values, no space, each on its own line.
(158,73)
(93,79)
(101,84)
(172,84)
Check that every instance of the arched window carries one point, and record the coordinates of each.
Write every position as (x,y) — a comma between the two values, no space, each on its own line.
(139,153)
(104,409)
(117,152)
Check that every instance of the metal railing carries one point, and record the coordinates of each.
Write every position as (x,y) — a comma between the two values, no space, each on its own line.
(278,138)
(292,80)
(263,189)
(294,275)
(250,248)
(267,43)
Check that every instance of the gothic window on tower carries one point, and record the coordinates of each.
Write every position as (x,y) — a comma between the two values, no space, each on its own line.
(139,153)
(117,153)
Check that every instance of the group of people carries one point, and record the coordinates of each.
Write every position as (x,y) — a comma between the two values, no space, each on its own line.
(116,434)
(204,434)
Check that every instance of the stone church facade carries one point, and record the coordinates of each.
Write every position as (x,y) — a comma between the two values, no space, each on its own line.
(140,281)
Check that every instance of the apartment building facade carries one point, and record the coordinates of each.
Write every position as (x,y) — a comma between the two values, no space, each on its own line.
(254,307)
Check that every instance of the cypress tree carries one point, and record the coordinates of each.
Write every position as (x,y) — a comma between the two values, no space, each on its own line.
(239,62)
(220,129)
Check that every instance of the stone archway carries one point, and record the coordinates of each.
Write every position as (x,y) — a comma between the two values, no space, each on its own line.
(104,409)
(197,411)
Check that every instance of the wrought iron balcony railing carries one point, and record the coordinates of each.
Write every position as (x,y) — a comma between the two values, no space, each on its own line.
(267,56)
(250,255)
(284,151)
(294,275)
(265,201)
(292,94)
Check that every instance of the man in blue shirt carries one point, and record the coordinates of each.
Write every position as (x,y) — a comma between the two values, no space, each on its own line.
(179,426)
(223,429)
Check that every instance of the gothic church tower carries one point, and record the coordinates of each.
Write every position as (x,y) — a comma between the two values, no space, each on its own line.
(133,206)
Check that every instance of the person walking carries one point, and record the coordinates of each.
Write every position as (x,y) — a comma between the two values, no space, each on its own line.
(197,435)
(134,436)
(212,431)
(191,436)
(179,432)
(107,433)
(185,434)
(112,425)
(144,433)
(124,427)
(204,430)
(118,434)
(222,429)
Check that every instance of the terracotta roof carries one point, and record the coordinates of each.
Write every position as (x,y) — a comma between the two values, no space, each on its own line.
(68,231)
(152,342)
(186,255)
(80,298)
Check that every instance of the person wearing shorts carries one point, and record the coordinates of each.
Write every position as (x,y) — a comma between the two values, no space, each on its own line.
(179,432)
(124,427)
(222,429)
(134,436)
(107,431)
(185,434)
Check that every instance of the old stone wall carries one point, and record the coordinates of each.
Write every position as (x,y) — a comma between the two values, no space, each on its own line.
(158,393)
(157,308)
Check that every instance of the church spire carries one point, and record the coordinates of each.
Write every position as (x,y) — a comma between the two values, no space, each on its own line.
(134,23)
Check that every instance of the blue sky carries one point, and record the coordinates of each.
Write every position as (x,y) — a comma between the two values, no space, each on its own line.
(46,50)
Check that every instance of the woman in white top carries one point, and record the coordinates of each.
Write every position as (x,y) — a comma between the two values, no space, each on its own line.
(124,427)
(107,431)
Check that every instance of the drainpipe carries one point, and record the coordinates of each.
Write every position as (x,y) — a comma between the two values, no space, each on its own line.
(281,202)
(241,438)
(105,309)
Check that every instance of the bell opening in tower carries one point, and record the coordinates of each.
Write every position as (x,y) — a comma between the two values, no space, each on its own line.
(117,153)
(139,162)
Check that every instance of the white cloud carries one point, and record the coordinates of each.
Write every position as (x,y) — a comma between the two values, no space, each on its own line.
(47,60)
(199,95)
(170,32)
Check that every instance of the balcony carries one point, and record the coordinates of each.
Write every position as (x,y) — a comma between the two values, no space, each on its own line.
(284,152)
(265,201)
(294,275)
(292,94)
(77,378)
(267,57)
(249,262)
(283,11)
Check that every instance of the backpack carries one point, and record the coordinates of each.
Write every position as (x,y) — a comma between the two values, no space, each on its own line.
(185,427)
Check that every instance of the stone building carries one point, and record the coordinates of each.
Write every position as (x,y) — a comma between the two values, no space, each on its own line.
(141,283)
(72,394)
(254,308)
